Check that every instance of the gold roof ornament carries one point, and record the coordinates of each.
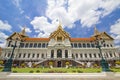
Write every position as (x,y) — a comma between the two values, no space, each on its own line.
(23,32)
(96,32)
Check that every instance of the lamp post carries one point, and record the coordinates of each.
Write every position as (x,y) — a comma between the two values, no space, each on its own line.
(98,43)
(8,63)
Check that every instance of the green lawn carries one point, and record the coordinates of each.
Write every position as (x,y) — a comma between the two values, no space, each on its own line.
(59,70)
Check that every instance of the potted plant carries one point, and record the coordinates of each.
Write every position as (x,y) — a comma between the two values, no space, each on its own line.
(67,64)
(51,64)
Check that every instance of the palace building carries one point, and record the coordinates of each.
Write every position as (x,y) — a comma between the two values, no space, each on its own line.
(59,48)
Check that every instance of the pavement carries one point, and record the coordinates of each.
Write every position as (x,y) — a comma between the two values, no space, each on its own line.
(60,76)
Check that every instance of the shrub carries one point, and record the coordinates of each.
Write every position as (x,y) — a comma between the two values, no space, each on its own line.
(31,71)
(79,71)
(67,63)
(1,62)
(23,65)
(117,62)
(14,71)
(37,71)
(50,63)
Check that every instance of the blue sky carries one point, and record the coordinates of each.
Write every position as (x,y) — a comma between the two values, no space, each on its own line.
(41,17)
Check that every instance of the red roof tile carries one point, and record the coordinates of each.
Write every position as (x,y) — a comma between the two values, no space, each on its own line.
(36,39)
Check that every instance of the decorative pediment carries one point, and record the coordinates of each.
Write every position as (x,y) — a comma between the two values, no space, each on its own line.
(59,34)
(17,35)
(105,36)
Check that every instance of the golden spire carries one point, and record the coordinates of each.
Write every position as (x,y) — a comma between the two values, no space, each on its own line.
(60,26)
(23,31)
(96,32)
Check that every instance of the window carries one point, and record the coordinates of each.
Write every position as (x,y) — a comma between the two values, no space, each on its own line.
(42,56)
(8,54)
(72,45)
(26,45)
(66,53)
(72,56)
(21,45)
(47,45)
(88,45)
(24,55)
(99,55)
(111,55)
(39,45)
(9,43)
(31,44)
(76,55)
(79,45)
(107,45)
(19,55)
(94,55)
(75,45)
(35,45)
(33,55)
(84,45)
(92,45)
(104,45)
(43,45)
(59,38)
(106,55)
(38,55)
(29,55)
(114,54)
(85,55)
(81,55)
(111,45)
(52,53)
(90,55)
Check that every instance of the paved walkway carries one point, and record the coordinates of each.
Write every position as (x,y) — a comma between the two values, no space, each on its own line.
(60,76)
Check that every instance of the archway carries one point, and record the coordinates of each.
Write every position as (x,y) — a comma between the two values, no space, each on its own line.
(59,64)
(59,53)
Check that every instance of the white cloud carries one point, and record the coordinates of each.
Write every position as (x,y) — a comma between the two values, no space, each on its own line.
(115,30)
(5,26)
(17,4)
(2,39)
(88,12)
(42,26)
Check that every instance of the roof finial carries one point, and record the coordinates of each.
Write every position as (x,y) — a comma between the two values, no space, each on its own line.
(23,31)
(96,32)
(60,25)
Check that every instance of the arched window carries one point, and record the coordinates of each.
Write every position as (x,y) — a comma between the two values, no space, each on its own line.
(72,45)
(66,53)
(107,45)
(9,43)
(84,45)
(111,45)
(29,55)
(26,45)
(35,45)
(42,56)
(90,55)
(43,45)
(81,55)
(21,45)
(79,45)
(33,55)
(24,55)
(76,55)
(104,45)
(75,45)
(88,45)
(94,55)
(59,53)
(85,55)
(38,55)
(31,45)
(19,55)
(92,45)
(72,56)
(39,45)
(52,53)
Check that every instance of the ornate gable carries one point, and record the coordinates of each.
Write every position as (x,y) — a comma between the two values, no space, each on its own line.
(105,36)
(20,35)
(59,34)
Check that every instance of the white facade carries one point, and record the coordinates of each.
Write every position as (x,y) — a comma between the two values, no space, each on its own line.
(59,47)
